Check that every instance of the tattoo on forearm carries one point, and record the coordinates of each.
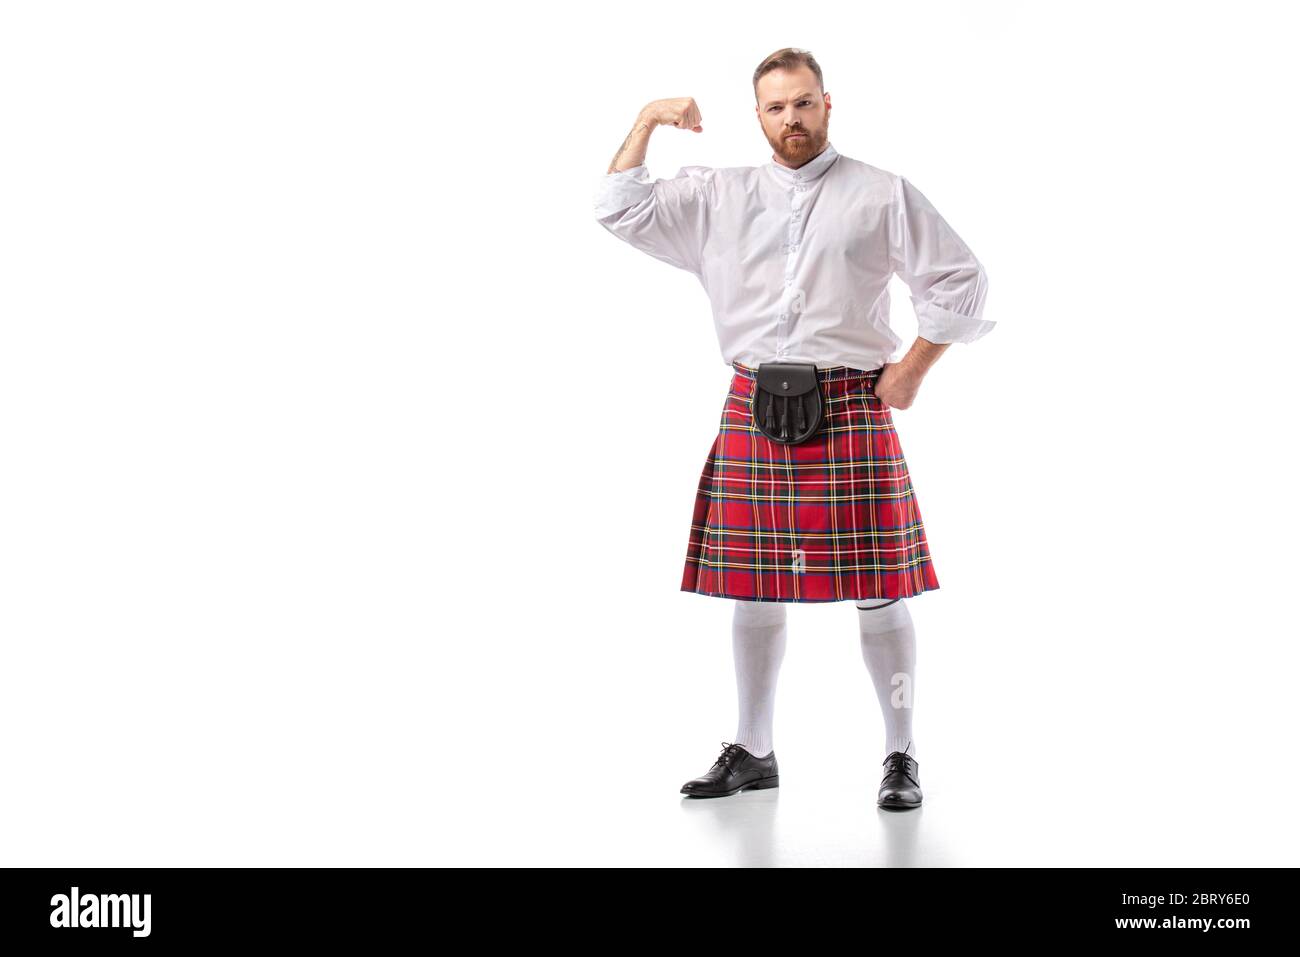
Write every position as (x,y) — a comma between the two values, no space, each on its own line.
(613,164)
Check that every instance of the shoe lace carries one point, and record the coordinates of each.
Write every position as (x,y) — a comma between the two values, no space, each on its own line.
(897,761)
(728,750)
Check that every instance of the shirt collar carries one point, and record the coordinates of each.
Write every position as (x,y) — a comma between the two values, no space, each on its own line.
(809,172)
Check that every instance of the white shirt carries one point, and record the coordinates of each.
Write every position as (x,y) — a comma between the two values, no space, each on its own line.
(796,262)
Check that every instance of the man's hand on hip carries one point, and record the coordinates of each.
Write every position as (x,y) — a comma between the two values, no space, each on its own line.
(898,382)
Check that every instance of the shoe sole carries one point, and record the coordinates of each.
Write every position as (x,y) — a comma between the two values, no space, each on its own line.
(772,782)
(896,805)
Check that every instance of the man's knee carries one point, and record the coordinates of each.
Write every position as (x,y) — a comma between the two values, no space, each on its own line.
(868,604)
(760,612)
(883,617)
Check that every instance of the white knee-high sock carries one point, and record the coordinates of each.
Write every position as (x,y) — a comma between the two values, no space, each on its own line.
(758,636)
(889,650)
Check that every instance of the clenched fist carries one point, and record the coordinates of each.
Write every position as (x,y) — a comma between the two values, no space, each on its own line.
(896,387)
(679,111)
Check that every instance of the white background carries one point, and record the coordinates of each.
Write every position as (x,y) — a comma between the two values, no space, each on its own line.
(348,463)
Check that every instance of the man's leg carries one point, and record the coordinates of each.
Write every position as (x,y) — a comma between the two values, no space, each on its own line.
(758,635)
(889,650)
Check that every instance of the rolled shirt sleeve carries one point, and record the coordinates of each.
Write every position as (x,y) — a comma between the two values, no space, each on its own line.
(665,218)
(948,284)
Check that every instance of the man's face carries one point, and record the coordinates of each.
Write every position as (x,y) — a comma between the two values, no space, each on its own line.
(791,103)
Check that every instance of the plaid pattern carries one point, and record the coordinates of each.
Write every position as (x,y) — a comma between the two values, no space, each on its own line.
(832,519)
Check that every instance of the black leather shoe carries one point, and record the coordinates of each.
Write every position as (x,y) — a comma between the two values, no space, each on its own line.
(901,787)
(734,770)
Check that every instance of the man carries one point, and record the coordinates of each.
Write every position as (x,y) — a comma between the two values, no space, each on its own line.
(796,257)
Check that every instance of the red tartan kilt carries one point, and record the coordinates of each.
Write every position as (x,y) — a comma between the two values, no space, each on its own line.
(832,519)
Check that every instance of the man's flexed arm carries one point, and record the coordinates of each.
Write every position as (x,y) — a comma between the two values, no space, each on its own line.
(680,112)
(666,218)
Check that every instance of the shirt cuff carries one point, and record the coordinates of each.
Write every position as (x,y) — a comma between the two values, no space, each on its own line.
(937,324)
(621,189)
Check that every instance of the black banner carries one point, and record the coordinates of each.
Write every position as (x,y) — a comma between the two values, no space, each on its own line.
(142,907)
